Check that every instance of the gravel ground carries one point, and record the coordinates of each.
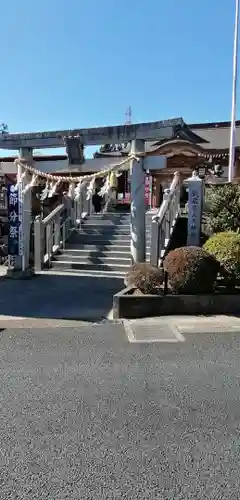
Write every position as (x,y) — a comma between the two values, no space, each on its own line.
(85,415)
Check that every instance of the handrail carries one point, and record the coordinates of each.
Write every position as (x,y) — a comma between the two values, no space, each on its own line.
(51,216)
(51,233)
(168,197)
(164,221)
(56,239)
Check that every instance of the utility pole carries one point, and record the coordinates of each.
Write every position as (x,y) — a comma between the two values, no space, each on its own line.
(232,146)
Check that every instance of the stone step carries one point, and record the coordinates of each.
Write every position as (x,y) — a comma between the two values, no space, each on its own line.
(78,273)
(119,246)
(94,233)
(102,226)
(108,220)
(117,215)
(103,230)
(108,228)
(101,238)
(101,219)
(104,218)
(92,225)
(104,236)
(149,213)
(97,253)
(66,264)
(114,220)
(96,259)
(118,253)
(99,247)
(110,213)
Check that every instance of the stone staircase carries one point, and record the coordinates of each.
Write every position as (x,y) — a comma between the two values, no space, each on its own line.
(101,247)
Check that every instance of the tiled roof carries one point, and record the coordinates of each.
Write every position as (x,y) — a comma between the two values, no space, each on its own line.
(217,137)
(211,136)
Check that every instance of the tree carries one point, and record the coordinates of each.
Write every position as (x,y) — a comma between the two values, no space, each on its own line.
(222,208)
(3,128)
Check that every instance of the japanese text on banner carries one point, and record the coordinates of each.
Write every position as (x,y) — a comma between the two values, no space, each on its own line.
(15,237)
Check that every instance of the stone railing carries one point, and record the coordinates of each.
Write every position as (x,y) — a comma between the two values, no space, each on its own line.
(52,232)
(50,235)
(164,221)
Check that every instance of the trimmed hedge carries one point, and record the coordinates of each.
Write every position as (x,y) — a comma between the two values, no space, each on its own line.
(225,247)
(147,278)
(191,270)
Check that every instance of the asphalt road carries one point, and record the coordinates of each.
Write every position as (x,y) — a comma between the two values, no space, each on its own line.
(49,296)
(85,415)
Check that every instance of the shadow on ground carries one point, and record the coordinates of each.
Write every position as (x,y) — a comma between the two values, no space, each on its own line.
(59,297)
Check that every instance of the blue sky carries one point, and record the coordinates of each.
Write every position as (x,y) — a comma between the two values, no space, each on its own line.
(80,63)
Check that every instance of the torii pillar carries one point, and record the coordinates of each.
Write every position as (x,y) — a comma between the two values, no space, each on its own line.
(137,202)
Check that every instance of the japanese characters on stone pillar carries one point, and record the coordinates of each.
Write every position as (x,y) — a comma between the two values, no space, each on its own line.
(20,218)
(14,221)
(195,202)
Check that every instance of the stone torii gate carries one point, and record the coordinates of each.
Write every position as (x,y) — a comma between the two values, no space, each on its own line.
(136,134)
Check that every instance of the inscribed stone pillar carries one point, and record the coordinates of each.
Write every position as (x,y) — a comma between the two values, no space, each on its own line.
(195,201)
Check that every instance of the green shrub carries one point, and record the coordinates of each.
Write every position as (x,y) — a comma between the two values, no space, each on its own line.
(225,247)
(222,208)
(191,270)
(147,278)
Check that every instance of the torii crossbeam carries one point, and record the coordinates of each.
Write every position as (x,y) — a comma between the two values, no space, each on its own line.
(93,136)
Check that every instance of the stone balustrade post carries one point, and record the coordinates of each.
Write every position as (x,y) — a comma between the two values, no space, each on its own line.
(154,248)
(57,231)
(38,244)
